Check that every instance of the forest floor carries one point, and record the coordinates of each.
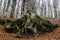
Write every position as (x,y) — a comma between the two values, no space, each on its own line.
(55,35)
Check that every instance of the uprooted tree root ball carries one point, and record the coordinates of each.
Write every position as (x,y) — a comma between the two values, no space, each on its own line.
(27,26)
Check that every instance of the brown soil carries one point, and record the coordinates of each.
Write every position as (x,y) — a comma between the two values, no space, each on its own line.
(55,35)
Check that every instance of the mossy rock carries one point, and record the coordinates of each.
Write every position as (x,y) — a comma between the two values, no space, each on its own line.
(11,30)
(31,26)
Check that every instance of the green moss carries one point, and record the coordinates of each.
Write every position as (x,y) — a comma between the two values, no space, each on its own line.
(26,25)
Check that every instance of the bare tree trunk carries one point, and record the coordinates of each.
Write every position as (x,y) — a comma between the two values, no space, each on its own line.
(18,8)
(2,7)
(15,11)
